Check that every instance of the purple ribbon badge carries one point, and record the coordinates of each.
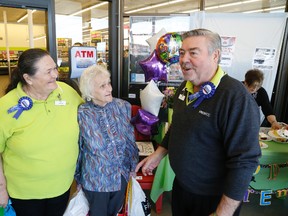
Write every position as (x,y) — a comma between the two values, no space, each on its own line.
(206,91)
(24,103)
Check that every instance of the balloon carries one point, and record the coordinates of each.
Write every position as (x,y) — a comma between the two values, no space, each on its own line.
(154,68)
(151,98)
(143,129)
(152,41)
(167,48)
(145,122)
(145,117)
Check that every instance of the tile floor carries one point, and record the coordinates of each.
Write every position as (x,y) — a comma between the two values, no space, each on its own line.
(278,207)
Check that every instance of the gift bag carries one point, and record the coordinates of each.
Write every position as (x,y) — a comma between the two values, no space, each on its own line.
(138,204)
(8,211)
(78,205)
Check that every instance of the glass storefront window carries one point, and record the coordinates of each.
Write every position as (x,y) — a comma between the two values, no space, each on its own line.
(143,44)
(84,23)
(18,32)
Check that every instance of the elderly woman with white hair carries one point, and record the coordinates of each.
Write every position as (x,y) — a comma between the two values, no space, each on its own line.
(108,152)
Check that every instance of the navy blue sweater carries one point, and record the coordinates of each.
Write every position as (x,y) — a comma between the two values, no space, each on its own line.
(214,148)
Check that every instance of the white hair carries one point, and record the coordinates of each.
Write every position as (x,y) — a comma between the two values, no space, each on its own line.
(88,78)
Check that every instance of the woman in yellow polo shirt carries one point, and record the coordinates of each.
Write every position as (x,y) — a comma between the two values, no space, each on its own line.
(38,137)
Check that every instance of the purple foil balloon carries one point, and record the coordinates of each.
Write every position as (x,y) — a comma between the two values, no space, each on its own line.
(143,129)
(144,122)
(154,68)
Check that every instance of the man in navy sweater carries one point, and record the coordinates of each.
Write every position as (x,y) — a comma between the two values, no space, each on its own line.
(213,139)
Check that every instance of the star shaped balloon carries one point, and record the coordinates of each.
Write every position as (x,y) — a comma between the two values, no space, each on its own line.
(152,41)
(154,68)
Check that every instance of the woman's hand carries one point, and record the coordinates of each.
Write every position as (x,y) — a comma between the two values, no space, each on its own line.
(276,126)
(3,196)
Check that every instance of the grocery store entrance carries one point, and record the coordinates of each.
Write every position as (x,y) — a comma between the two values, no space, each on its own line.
(20,29)
(24,24)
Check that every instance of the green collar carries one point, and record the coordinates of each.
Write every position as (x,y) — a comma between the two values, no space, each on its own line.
(215,80)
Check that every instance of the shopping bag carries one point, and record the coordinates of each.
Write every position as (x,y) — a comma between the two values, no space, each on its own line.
(78,205)
(138,204)
(124,210)
(8,211)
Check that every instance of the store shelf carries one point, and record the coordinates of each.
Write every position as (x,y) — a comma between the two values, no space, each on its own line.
(4,63)
(63,45)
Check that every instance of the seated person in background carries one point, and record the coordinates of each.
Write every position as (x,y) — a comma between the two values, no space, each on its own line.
(253,82)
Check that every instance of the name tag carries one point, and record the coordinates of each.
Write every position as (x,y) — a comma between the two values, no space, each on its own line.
(181,97)
(60,103)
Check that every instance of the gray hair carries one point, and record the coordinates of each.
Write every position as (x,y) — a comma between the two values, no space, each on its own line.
(88,78)
(214,39)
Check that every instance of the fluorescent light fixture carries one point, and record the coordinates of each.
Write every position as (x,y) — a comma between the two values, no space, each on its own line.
(24,17)
(86,30)
(38,37)
(89,8)
(266,9)
(231,4)
(154,6)
(223,5)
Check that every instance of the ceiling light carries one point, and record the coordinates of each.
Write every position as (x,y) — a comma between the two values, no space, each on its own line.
(222,6)
(24,17)
(86,30)
(38,37)
(266,9)
(89,8)
(231,4)
(154,6)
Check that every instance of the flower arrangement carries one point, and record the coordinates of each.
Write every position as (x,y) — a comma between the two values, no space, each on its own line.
(169,93)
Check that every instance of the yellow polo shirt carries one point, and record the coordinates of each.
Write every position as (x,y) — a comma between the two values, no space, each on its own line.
(40,148)
(215,80)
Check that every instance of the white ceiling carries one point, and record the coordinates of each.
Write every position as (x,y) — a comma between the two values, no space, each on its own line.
(68,7)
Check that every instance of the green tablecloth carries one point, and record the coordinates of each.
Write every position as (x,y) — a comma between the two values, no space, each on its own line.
(163,179)
(274,159)
(164,175)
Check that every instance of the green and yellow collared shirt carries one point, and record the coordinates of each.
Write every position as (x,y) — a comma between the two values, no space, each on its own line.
(215,80)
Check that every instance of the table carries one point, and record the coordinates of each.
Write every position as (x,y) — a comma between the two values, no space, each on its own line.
(273,173)
(274,157)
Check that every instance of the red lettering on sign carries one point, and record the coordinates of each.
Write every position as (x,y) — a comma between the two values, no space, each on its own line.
(77,54)
(84,54)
